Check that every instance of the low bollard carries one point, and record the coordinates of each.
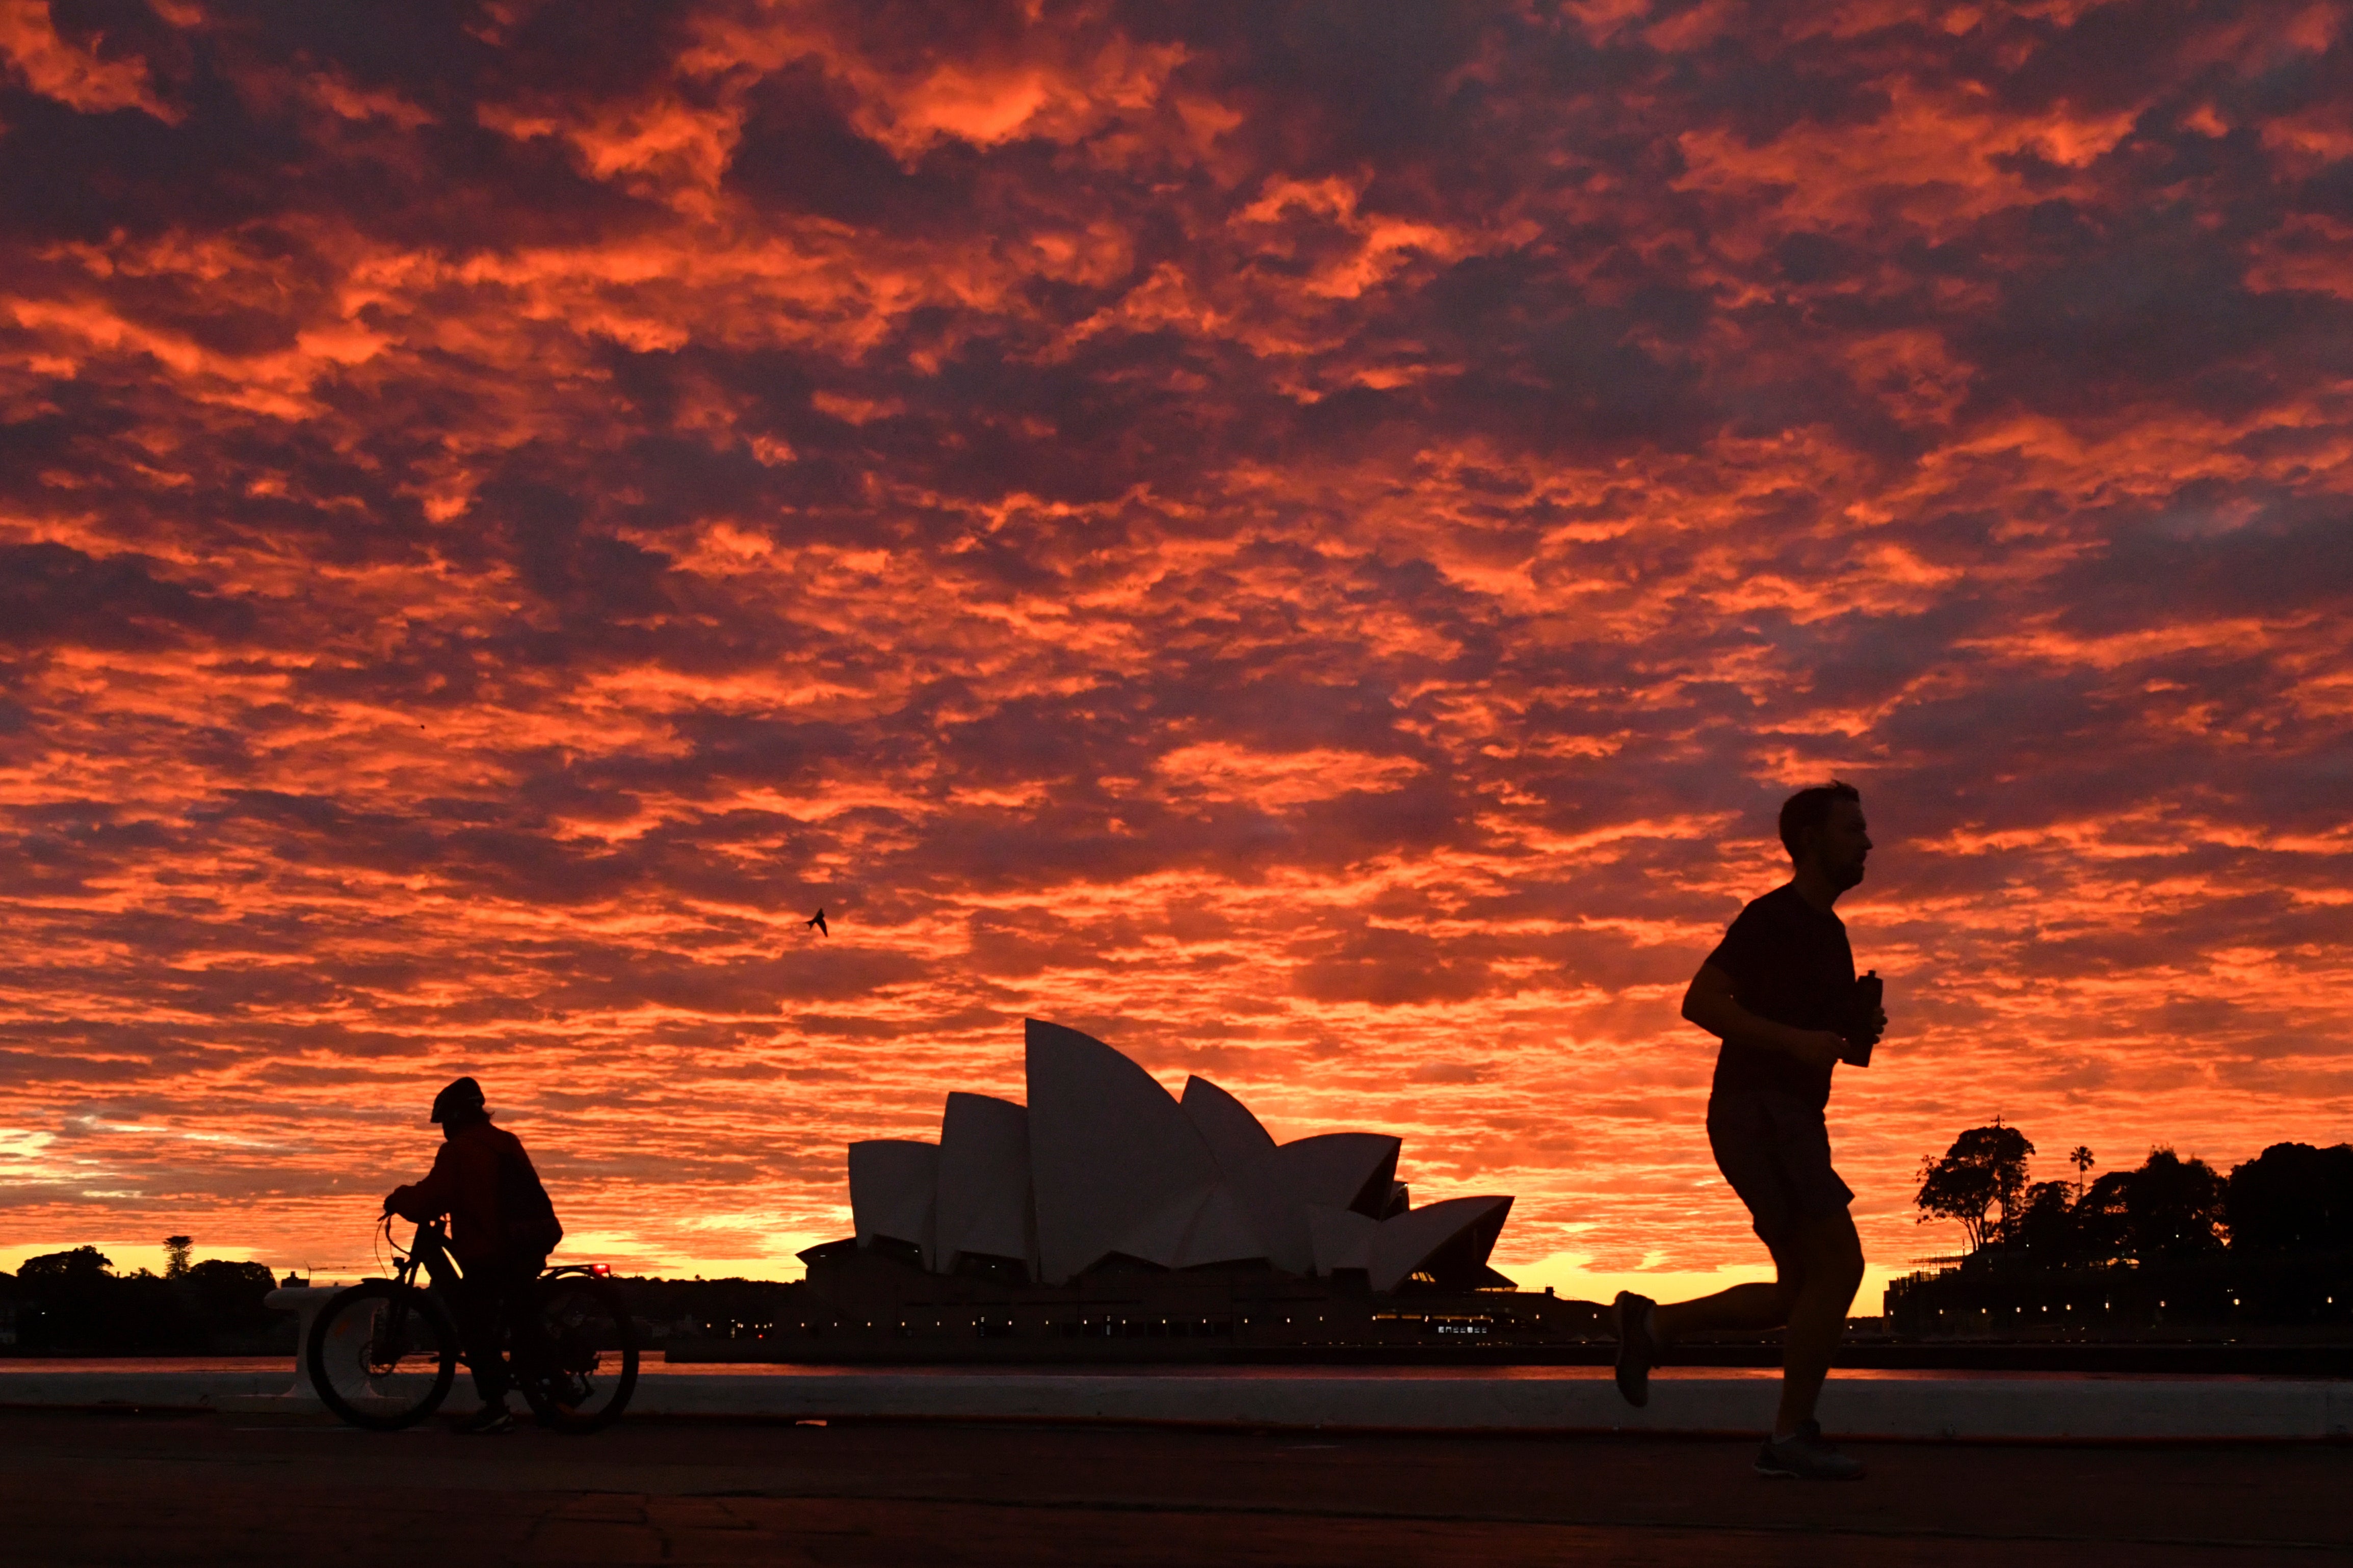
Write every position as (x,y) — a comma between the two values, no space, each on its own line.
(302,1399)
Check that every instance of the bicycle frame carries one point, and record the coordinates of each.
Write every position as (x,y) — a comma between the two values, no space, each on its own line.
(426,1252)
(429,1252)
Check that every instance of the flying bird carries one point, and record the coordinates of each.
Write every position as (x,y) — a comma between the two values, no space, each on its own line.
(817,919)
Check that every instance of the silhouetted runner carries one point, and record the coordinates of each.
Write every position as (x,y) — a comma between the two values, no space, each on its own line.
(501,1228)
(1779,991)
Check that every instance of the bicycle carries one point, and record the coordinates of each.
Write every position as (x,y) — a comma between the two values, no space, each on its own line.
(383,1353)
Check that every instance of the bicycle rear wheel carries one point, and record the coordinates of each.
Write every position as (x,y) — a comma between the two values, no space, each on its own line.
(588,1353)
(382,1355)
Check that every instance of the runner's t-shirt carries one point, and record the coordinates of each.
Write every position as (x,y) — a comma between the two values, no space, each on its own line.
(1790,962)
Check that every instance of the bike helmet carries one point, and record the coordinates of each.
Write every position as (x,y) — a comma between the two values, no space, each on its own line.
(462,1099)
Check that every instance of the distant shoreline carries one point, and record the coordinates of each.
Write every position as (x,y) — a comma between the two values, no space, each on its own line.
(2317,1359)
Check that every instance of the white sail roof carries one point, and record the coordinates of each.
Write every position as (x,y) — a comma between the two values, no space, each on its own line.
(1403,1243)
(1390,1250)
(894,1188)
(1342,1170)
(1102,1163)
(984,1181)
(1342,1238)
(1253,1167)
(1112,1157)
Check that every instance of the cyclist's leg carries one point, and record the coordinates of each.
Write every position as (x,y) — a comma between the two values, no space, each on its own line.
(528,1335)
(478,1300)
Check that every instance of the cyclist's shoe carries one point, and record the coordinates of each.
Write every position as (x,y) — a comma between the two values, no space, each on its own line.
(554,1411)
(1637,1352)
(1806,1458)
(489,1421)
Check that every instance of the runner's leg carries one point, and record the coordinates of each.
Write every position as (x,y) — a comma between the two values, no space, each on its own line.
(1829,1256)
(1744,1138)
(1742,1307)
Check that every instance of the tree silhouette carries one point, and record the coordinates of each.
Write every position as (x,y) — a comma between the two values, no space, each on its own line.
(1984,1169)
(2104,1221)
(2293,1197)
(74,1303)
(2045,1227)
(78,1267)
(176,1253)
(2081,1158)
(2174,1207)
(2169,1210)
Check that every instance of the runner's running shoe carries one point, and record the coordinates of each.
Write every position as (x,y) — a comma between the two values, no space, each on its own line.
(1807,1458)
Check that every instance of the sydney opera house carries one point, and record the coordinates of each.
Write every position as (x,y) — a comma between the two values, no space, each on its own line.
(1106,1213)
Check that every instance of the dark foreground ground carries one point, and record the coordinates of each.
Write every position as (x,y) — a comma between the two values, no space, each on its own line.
(88,1489)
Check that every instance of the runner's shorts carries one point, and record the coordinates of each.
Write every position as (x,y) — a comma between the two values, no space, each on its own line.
(1775,1149)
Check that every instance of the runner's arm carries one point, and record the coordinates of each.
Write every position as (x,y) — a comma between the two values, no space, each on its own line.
(1711,1004)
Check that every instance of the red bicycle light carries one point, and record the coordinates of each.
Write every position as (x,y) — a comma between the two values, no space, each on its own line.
(600,1270)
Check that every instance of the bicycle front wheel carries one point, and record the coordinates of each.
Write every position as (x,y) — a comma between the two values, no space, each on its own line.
(382,1355)
(586,1358)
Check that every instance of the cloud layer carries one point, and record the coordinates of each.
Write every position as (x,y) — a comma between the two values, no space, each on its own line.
(1307,540)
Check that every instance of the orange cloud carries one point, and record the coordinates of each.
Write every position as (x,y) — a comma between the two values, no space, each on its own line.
(75,75)
(1311,550)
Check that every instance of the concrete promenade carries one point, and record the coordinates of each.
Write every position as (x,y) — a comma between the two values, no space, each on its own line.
(91,1489)
(1504,1399)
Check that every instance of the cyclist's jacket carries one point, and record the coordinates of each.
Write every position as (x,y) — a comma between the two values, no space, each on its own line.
(484,1181)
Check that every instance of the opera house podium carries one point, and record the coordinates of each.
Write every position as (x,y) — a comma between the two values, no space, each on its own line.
(1107,1220)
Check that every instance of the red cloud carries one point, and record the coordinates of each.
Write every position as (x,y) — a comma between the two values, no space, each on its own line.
(1299,542)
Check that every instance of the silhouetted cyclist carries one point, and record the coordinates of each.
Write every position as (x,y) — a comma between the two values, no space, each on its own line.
(1780,992)
(501,1228)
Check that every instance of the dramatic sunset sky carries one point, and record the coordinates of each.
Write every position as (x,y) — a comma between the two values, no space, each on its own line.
(1308,540)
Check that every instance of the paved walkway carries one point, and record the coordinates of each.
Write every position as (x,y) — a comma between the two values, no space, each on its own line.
(1557,1400)
(79,1488)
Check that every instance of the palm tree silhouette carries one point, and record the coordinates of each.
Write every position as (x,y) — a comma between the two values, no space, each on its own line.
(2081,1158)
